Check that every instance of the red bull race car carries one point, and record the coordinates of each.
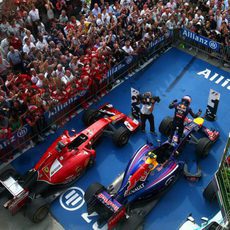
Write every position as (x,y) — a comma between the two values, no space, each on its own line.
(149,174)
(63,163)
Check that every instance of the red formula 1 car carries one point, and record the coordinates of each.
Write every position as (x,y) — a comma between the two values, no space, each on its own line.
(63,162)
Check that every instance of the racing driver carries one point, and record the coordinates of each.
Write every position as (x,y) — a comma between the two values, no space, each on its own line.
(182,109)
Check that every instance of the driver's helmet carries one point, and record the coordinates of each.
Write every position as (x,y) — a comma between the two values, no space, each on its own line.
(152,155)
(187,99)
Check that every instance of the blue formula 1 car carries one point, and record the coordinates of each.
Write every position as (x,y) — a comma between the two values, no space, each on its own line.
(149,174)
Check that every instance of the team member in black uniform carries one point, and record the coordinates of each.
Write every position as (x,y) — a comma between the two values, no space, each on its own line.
(182,109)
(148,102)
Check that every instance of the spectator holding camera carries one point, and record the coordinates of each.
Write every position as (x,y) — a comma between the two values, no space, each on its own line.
(148,102)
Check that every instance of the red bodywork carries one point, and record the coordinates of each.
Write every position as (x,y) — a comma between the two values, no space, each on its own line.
(62,167)
(67,158)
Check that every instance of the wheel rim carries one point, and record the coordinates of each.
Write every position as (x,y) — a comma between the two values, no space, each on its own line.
(124,139)
(41,213)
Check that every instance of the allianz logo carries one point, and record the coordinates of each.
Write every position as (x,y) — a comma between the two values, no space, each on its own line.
(216,78)
(201,39)
(22,132)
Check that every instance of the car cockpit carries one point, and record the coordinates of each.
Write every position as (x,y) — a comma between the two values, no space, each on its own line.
(77,141)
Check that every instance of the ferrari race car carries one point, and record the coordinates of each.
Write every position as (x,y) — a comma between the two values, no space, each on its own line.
(63,162)
(149,174)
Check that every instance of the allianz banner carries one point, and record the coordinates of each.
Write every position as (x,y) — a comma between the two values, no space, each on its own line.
(17,140)
(129,60)
(187,34)
(65,108)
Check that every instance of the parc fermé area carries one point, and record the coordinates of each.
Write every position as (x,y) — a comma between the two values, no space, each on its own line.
(171,76)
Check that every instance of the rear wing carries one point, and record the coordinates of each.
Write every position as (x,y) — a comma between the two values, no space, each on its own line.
(109,209)
(20,195)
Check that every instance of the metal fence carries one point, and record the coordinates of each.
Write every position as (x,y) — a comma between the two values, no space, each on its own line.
(186,38)
(223,180)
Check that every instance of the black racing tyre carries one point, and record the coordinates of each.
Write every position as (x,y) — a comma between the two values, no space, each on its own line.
(121,136)
(210,191)
(166,126)
(91,162)
(37,210)
(91,190)
(134,222)
(203,147)
(89,116)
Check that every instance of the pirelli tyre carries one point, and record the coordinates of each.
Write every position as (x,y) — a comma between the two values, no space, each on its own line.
(121,136)
(134,222)
(203,147)
(37,210)
(166,126)
(89,116)
(210,191)
(91,190)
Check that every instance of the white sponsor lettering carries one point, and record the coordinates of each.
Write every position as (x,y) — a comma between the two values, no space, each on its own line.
(60,107)
(7,142)
(88,219)
(218,79)
(56,166)
(202,40)
(136,189)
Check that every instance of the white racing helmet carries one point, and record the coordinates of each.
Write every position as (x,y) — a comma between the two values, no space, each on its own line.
(187,98)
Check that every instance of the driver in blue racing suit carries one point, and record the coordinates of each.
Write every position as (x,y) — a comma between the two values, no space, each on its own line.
(182,109)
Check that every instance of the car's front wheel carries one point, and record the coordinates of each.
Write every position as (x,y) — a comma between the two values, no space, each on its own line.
(121,136)
(166,126)
(92,190)
(203,147)
(89,116)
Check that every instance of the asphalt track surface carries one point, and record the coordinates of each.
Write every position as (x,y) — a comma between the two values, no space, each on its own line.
(171,76)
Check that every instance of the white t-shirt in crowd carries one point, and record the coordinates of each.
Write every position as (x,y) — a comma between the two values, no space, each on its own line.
(26,48)
(39,83)
(128,50)
(34,14)
(41,45)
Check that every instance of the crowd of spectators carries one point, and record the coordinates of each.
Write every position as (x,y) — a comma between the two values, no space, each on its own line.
(51,50)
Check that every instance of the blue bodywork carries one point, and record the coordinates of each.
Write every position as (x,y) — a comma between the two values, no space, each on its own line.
(157,180)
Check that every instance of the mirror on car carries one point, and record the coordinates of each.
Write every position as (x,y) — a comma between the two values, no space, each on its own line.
(190,218)
(204,219)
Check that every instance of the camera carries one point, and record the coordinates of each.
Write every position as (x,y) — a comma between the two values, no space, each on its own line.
(147,98)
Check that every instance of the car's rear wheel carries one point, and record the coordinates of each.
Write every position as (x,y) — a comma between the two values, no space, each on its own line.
(92,190)
(121,136)
(89,116)
(166,126)
(210,191)
(135,222)
(37,210)
(91,162)
(203,147)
